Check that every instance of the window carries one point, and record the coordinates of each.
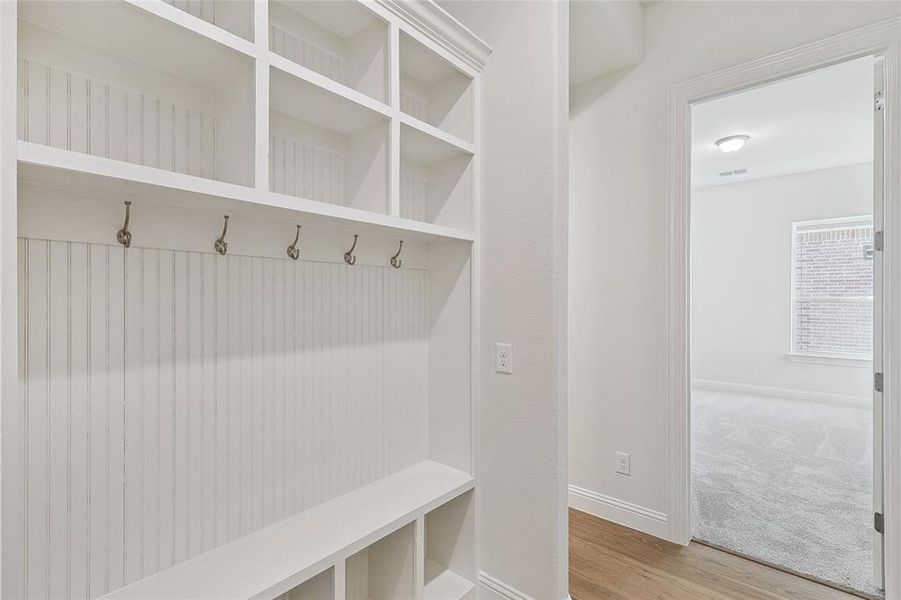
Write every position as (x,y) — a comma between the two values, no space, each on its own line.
(832,287)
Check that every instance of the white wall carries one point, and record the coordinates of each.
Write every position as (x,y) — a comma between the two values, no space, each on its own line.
(741,277)
(617,296)
(522,466)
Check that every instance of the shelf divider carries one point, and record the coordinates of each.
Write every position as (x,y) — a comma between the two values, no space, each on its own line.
(394,100)
(261,126)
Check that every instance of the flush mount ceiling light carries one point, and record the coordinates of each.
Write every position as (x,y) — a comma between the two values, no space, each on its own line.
(732,143)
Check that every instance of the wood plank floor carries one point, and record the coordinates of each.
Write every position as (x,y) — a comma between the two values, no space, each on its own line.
(611,562)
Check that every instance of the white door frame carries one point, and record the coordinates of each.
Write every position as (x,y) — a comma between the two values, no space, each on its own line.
(882,37)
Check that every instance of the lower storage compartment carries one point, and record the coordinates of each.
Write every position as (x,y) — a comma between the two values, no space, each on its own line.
(384,570)
(320,587)
(449,542)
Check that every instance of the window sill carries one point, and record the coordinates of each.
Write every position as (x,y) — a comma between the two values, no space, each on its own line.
(825,359)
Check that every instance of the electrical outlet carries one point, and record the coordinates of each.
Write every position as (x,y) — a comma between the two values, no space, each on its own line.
(503,358)
(623,463)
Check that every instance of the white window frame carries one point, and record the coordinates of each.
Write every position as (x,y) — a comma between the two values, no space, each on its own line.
(793,354)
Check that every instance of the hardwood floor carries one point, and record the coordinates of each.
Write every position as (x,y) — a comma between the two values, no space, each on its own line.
(611,562)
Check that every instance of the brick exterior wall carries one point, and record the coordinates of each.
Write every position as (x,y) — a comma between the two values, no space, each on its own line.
(833,270)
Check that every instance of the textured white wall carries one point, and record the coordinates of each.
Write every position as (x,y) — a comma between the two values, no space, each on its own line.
(617,296)
(741,282)
(522,463)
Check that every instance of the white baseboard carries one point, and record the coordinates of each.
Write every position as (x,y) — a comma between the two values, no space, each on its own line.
(625,513)
(784,393)
(499,589)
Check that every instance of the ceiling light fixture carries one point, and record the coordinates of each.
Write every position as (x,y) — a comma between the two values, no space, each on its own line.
(732,143)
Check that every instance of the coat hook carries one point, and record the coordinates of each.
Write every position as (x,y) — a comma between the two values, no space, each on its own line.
(349,257)
(124,235)
(396,262)
(221,245)
(293,251)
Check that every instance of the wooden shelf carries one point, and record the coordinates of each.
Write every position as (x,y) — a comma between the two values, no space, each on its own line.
(343,40)
(324,83)
(44,165)
(443,584)
(277,558)
(153,34)
(438,137)
(196,25)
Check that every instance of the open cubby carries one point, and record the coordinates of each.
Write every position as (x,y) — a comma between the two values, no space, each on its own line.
(111,80)
(340,39)
(320,587)
(434,91)
(436,180)
(384,570)
(235,16)
(450,571)
(326,148)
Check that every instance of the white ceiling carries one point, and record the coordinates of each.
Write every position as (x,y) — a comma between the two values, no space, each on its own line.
(814,121)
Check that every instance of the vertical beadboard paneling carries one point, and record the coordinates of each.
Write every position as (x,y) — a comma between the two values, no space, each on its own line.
(177,400)
(309,54)
(414,186)
(306,170)
(150,409)
(73,112)
(35,355)
(79,420)
(414,105)
(116,441)
(357,574)
(133,401)
(202,9)
(166,451)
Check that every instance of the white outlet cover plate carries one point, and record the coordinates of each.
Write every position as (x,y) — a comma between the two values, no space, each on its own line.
(503,358)
(623,463)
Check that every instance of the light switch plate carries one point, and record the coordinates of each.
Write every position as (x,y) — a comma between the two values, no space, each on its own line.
(503,358)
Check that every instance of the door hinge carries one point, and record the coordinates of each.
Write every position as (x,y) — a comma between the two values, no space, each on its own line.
(879,100)
(879,522)
(877,382)
(878,244)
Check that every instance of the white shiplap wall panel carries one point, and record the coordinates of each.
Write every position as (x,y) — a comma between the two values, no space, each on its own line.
(176,400)
(305,170)
(202,9)
(73,112)
(414,189)
(309,54)
(357,576)
(414,105)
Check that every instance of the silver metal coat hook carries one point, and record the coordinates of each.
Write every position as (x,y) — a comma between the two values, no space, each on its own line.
(349,257)
(221,245)
(123,236)
(293,250)
(396,262)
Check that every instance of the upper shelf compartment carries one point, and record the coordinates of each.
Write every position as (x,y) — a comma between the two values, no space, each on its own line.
(325,147)
(434,91)
(235,16)
(339,39)
(116,81)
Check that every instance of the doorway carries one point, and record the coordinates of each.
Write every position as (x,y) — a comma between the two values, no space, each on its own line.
(785,303)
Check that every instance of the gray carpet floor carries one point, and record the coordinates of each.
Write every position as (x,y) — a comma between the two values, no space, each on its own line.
(787,483)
